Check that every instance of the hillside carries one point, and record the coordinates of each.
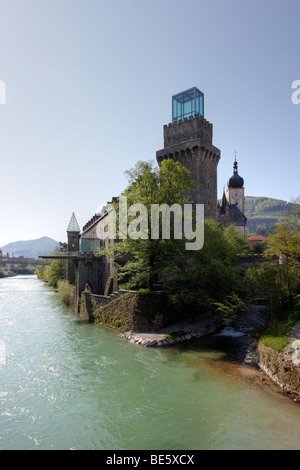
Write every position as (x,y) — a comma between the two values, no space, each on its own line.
(30,248)
(264,212)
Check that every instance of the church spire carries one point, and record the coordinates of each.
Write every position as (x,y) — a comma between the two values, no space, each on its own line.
(224,203)
(236,181)
(235,165)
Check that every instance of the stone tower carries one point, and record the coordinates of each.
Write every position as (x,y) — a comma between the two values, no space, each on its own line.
(73,232)
(188,140)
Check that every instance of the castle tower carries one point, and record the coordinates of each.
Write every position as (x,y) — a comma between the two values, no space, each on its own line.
(73,232)
(236,190)
(188,140)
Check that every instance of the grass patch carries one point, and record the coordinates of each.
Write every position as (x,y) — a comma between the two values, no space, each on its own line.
(175,334)
(276,335)
(278,343)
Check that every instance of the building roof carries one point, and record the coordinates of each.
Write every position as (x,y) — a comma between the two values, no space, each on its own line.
(256,238)
(73,225)
(238,218)
(236,181)
(224,203)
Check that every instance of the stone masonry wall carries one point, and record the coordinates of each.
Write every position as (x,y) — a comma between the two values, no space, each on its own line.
(281,368)
(189,129)
(138,311)
(190,143)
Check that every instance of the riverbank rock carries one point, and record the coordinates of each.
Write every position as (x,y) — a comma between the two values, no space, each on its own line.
(183,331)
(151,340)
(294,351)
(251,357)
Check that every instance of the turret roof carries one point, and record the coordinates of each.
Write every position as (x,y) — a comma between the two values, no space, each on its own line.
(73,225)
(236,181)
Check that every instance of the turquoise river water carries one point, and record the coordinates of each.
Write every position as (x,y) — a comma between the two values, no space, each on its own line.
(68,384)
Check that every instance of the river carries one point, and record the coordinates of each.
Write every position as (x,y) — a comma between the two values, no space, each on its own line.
(68,384)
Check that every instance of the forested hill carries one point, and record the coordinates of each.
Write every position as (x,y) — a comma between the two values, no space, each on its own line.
(263,212)
(30,248)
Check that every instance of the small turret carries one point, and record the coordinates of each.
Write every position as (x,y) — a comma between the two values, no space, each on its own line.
(73,232)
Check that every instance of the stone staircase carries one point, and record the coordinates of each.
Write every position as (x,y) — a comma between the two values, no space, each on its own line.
(113,296)
(116,294)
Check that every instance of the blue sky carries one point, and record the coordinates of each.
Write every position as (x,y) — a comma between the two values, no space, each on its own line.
(89,86)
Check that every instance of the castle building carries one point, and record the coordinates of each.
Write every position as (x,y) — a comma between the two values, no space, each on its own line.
(188,140)
(85,267)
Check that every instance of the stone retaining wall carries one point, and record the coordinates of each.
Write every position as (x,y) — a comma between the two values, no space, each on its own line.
(283,368)
(90,302)
(139,311)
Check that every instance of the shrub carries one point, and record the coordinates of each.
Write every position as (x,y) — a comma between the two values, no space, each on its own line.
(66,293)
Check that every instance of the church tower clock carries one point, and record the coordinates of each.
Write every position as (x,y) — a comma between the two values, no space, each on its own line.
(236,190)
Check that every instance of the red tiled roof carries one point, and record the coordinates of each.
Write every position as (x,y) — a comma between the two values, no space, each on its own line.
(256,238)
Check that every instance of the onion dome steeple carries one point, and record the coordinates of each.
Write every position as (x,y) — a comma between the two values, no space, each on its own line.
(236,181)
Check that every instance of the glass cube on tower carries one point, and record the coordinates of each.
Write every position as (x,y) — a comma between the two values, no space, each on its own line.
(187,103)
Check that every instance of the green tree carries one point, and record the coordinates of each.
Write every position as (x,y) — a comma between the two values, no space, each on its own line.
(52,273)
(294,214)
(207,276)
(230,308)
(56,272)
(284,243)
(41,272)
(146,254)
(195,278)
(270,277)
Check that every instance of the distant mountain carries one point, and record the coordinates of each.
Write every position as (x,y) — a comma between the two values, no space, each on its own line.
(263,213)
(30,248)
